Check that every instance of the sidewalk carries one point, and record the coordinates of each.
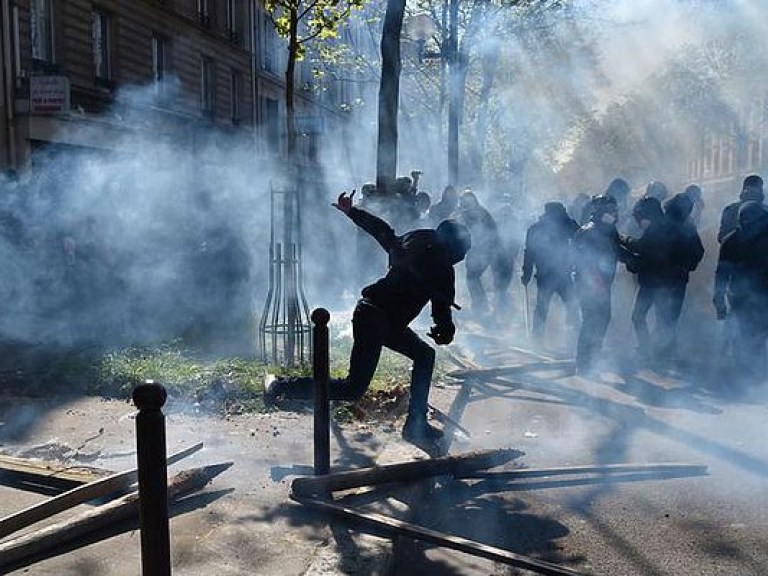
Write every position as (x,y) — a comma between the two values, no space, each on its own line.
(242,523)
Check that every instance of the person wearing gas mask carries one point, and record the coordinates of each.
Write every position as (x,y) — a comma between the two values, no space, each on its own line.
(420,272)
(741,284)
(548,250)
(597,247)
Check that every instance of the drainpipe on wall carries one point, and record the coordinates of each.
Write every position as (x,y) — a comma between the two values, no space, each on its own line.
(8,80)
(254,78)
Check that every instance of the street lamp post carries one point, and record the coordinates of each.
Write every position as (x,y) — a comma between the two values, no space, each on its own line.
(421,27)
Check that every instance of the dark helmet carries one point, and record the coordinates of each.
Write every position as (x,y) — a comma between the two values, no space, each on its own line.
(618,188)
(555,209)
(693,191)
(647,208)
(657,190)
(602,204)
(456,239)
(751,212)
(752,189)
(679,207)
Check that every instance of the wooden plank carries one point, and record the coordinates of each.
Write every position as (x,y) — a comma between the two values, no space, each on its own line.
(664,467)
(96,489)
(15,552)
(50,470)
(399,527)
(402,472)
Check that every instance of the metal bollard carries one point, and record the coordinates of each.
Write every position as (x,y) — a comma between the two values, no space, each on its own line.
(321,375)
(149,398)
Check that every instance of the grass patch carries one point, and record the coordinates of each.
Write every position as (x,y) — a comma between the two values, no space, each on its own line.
(220,384)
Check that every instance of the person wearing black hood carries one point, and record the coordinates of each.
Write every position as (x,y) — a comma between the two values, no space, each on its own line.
(650,261)
(420,271)
(741,281)
(751,191)
(597,247)
(686,252)
(548,250)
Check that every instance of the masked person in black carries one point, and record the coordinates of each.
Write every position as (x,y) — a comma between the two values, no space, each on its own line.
(484,252)
(742,276)
(649,262)
(686,252)
(548,249)
(420,271)
(662,257)
(751,191)
(597,247)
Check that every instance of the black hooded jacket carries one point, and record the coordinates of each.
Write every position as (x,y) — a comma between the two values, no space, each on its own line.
(420,271)
(548,247)
(742,267)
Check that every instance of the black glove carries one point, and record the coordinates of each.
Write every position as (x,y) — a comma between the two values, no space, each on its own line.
(525,278)
(442,334)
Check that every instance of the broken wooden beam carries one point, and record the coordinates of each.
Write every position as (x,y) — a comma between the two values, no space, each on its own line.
(523,473)
(512,368)
(96,489)
(13,552)
(403,472)
(49,473)
(402,528)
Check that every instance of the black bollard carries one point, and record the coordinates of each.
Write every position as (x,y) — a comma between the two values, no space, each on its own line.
(153,479)
(321,376)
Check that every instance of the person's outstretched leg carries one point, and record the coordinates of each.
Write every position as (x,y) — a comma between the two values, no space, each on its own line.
(410,345)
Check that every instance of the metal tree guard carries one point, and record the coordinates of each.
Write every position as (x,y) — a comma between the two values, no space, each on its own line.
(284,327)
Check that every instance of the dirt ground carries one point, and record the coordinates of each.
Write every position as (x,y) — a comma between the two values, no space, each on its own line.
(243,523)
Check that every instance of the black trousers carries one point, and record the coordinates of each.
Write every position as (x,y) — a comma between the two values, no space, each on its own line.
(546,288)
(372,330)
(595,318)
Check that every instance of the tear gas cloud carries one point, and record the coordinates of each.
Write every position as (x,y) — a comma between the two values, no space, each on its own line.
(181,232)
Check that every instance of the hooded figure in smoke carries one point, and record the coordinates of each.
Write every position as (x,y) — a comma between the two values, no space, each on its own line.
(420,271)
(485,249)
(664,255)
(597,248)
(742,276)
(751,191)
(548,249)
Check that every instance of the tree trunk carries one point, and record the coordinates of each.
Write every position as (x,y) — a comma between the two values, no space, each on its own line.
(290,72)
(389,95)
(490,62)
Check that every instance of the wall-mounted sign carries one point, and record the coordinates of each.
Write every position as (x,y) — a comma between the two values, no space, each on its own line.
(48,94)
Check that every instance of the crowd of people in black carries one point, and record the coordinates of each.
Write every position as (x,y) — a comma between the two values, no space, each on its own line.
(574,252)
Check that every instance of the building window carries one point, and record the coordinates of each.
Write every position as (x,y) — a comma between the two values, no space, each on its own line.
(41,30)
(207,87)
(100,45)
(270,47)
(159,57)
(204,12)
(273,124)
(233,21)
(235,90)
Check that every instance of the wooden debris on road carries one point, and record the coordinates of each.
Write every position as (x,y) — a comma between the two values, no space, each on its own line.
(399,527)
(523,473)
(13,552)
(403,472)
(47,474)
(98,488)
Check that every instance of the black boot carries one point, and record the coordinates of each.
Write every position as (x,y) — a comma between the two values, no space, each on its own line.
(418,431)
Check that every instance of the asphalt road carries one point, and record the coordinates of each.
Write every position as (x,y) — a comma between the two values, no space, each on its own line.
(645,524)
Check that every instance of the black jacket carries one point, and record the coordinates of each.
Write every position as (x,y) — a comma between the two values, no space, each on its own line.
(597,247)
(420,272)
(548,248)
(742,266)
(666,252)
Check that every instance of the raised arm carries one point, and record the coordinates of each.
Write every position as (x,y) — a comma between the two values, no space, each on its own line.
(375,226)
